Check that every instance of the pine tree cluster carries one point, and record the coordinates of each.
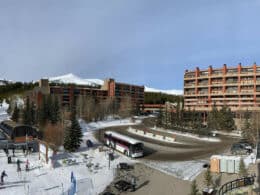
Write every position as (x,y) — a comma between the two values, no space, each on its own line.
(49,110)
(73,134)
(221,119)
(29,113)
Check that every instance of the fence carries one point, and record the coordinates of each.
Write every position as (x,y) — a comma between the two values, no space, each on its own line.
(246,181)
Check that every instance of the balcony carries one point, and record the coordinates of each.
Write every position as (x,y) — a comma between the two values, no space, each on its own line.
(247,82)
(246,103)
(232,103)
(233,83)
(232,92)
(247,98)
(215,75)
(202,94)
(216,92)
(215,84)
(203,74)
(242,73)
(231,73)
(247,91)
(202,85)
(189,86)
(189,94)
(189,77)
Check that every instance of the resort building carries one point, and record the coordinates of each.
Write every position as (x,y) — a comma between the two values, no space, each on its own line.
(237,87)
(68,93)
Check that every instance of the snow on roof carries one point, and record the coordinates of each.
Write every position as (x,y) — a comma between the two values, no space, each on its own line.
(123,137)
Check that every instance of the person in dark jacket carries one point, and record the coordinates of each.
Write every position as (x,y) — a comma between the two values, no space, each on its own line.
(3,174)
(18,162)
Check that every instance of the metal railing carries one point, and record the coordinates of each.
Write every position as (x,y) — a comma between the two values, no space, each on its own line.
(246,181)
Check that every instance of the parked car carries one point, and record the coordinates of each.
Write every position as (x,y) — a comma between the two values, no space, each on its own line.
(246,143)
(123,185)
(124,166)
(240,149)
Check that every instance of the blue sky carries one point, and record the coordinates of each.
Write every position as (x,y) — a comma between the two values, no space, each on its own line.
(147,42)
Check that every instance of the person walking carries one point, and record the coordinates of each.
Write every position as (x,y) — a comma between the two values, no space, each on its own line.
(18,162)
(27,165)
(133,182)
(3,174)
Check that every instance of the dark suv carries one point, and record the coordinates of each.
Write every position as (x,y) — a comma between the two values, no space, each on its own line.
(240,149)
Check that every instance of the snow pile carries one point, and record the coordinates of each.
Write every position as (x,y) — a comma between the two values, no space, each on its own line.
(170,91)
(190,135)
(232,133)
(71,78)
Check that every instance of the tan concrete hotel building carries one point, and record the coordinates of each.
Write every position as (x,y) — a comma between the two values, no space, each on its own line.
(237,87)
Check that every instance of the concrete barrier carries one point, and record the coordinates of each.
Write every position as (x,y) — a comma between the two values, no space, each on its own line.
(152,135)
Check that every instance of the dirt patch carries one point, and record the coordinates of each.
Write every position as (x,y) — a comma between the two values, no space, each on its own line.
(150,181)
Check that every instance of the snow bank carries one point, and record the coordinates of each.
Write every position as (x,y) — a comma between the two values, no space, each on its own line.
(232,133)
(190,135)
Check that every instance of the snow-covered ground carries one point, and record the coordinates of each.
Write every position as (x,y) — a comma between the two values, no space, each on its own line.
(45,180)
(91,167)
(93,126)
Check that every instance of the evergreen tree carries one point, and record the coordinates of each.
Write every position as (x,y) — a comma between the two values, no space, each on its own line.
(208,178)
(27,113)
(55,110)
(49,108)
(213,118)
(73,134)
(194,188)
(242,168)
(33,114)
(42,113)
(15,115)
(226,121)
(178,114)
(246,125)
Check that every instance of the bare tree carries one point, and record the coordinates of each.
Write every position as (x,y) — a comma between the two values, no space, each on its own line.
(251,126)
(54,134)
(126,107)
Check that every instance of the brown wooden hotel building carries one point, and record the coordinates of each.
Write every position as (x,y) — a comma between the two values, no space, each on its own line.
(69,92)
(237,87)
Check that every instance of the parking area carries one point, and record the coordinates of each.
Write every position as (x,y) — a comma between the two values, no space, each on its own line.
(191,149)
